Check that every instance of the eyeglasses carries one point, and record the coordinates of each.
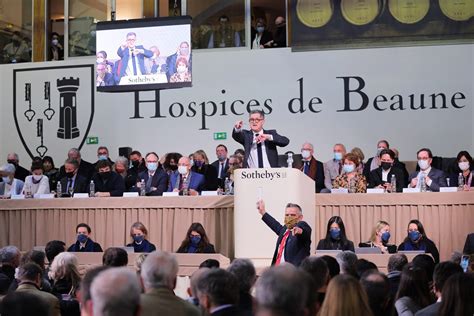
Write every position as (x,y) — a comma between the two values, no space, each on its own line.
(255,120)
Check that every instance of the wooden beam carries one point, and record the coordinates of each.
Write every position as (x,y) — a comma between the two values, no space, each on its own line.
(39,30)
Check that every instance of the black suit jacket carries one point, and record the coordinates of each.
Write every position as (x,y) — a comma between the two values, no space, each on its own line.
(21,173)
(316,172)
(81,185)
(86,170)
(437,177)
(469,245)
(245,137)
(232,310)
(401,166)
(115,185)
(159,182)
(210,176)
(297,247)
(375,178)
(216,163)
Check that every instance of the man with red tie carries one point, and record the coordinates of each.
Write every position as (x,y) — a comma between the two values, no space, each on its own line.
(294,238)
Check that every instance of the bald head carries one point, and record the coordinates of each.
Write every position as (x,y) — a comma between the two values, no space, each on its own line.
(279,20)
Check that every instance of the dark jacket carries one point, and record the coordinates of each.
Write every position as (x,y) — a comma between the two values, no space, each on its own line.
(21,173)
(316,172)
(86,170)
(210,176)
(437,177)
(323,244)
(207,249)
(369,244)
(145,246)
(396,163)
(91,246)
(115,185)
(375,178)
(266,37)
(81,185)
(424,244)
(159,182)
(469,245)
(221,180)
(297,247)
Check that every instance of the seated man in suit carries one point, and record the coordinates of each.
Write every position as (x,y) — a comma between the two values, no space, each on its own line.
(156,180)
(434,178)
(260,145)
(221,164)
(107,182)
(86,169)
(294,238)
(381,177)
(186,181)
(72,178)
(374,162)
(333,167)
(311,167)
(103,78)
(84,243)
(133,57)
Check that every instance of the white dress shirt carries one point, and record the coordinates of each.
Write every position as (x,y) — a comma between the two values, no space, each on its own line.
(252,161)
(42,187)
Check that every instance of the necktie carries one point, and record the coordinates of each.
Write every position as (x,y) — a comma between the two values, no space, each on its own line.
(148,183)
(69,184)
(222,174)
(134,64)
(154,68)
(259,154)
(340,167)
(282,247)
(306,168)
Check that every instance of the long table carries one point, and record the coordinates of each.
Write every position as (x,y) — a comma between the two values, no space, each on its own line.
(447,218)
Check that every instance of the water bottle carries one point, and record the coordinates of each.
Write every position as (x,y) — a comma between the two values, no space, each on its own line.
(422,184)
(393,183)
(460,182)
(290,160)
(92,189)
(142,187)
(59,189)
(227,186)
(185,188)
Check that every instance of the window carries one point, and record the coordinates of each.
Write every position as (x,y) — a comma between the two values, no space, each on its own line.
(16,30)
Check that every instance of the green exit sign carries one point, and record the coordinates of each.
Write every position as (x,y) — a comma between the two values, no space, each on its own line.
(93,140)
(220,136)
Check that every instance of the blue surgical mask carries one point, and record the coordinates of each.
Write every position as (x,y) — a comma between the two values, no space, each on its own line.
(82,238)
(102,157)
(152,166)
(338,156)
(348,168)
(385,236)
(335,233)
(260,29)
(195,240)
(138,239)
(414,235)
(6,179)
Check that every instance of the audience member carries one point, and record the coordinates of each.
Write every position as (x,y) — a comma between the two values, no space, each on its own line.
(38,257)
(333,266)
(115,291)
(374,162)
(196,241)
(262,38)
(345,296)
(311,167)
(426,263)
(441,274)
(364,265)
(20,172)
(155,178)
(413,293)
(396,263)
(221,164)
(51,172)
(171,162)
(202,166)
(377,288)
(139,235)
(107,183)
(464,167)
(17,51)
(103,153)
(54,248)
(379,238)
(115,257)
(159,273)
(279,37)
(85,169)
(36,183)
(335,236)
(4,286)
(244,272)
(72,178)
(347,262)
(56,51)
(469,245)
(432,177)
(121,168)
(209,263)
(458,296)
(9,185)
(381,177)
(318,269)
(417,240)
(23,304)
(333,167)
(10,260)
(84,243)
(186,181)
(84,293)
(138,163)
(400,166)
(350,178)
(225,35)
(192,289)
(294,237)
(360,154)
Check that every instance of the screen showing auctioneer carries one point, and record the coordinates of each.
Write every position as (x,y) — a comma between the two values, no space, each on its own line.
(144,54)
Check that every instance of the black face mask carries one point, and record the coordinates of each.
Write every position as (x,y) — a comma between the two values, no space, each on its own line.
(69,174)
(135,163)
(13,162)
(105,175)
(386,165)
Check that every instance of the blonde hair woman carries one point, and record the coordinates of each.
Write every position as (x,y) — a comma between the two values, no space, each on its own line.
(139,235)
(379,238)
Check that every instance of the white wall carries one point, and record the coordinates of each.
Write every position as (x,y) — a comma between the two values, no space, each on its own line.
(273,75)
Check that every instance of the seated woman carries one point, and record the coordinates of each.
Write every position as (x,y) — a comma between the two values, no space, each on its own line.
(202,166)
(171,162)
(351,175)
(50,171)
(335,236)
(196,241)
(379,238)
(139,233)
(37,183)
(417,240)
(182,73)
(9,185)
(121,168)
(464,166)
(382,176)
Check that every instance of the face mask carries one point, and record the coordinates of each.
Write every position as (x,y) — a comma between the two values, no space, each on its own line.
(379,150)
(105,175)
(305,154)
(181,69)
(385,236)
(82,238)
(221,157)
(423,164)
(414,235)
(37,177)
(335,233)
(348,168)
(100,60)
(54,42)
(386,165)
(260,29)
(195,240)
(138,239)
(6,179)
(152,166)
(464,165)
(291,221)
(199,163)
(135,163)
(337,156)
(69,174)
(184,51)
(103,157)
(182,170)
(13,162)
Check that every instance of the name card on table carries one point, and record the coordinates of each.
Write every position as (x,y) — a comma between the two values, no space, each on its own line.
(448,189)
(170,193)
(17,197)
(130,194)
(44,196)
(411,190)
(209,193)
(376,190)
(80,195)
(339,191)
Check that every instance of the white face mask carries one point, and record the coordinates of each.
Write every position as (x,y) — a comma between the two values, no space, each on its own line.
(305,154)
(100,60)
(37,177)
(181,69)
(423,164)
(182,170)
(54,42)
(464,165)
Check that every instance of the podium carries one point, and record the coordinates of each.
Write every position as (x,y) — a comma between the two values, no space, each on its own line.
(277,187)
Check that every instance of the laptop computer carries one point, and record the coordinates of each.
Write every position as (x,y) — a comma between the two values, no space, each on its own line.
(367,250)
